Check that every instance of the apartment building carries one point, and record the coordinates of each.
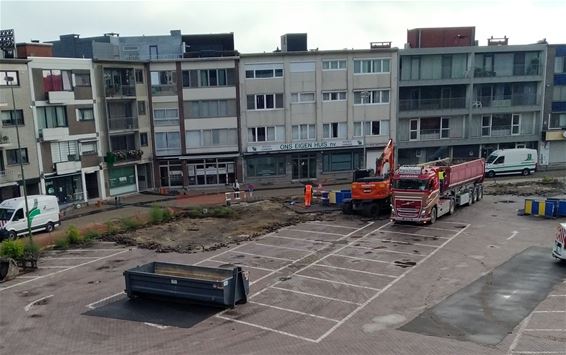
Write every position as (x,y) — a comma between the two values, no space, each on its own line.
(22,116)
(461,100)
(67,130)
(124,125)
(553,146)
(315,115)
(195,113)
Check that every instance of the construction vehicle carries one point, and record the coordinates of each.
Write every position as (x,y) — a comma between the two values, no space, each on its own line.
(371,191)
(422,193)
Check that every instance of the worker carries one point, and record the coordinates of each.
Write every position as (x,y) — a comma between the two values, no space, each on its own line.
(308,195)
(441,179)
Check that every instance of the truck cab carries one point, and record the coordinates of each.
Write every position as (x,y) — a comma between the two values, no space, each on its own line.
(416,192)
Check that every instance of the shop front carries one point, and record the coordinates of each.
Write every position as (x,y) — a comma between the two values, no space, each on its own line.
(122,180)
(211,171)
(67,188)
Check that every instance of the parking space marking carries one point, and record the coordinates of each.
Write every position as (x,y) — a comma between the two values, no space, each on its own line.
(247,266)
(91,305)
(388,286)
(302,240)
(337,282)
(549,311)
(67,269)
(32,303)
(386,250)
(54,267)
(237,251)
(413,234)
(364,259)
(331,225)
(426,227)
(316,232)
(266,328)
(26,277)
(68,257)
(545,330)
(406,243)
(555,295)
(354,270)
(310,294)
(281,247)
(293,311)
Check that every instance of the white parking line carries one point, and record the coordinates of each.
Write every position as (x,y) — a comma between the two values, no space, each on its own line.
(519,333)
(67,269)
(364,259)
(313,295)
(391,284)
(549,311)
(426,227)
(31,304)
(292,238)
(158,326)
(92,305)
(26,277)
(266,328)
(281,247)
(545,330)
(316,232)
(331,225)
(406,243)
(68,257)
(53,267)
(413,234)
(513,235)
(556,295)
(247,266)
(354,270)
(386,250)
(237,251)
(293,311)
(337,282)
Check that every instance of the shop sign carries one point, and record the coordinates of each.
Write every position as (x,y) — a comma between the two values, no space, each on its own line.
(304,146)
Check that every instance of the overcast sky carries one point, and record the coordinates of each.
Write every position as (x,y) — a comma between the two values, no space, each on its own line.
(257,25)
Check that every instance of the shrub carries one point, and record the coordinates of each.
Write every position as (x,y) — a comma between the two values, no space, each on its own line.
(111,228)
(12,249)
(31,249)
(91,235)
(167,214)
(130,223)
(62,244)
(156,215)
(73,235)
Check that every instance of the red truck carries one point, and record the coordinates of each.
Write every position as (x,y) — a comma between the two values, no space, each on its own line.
(425,192)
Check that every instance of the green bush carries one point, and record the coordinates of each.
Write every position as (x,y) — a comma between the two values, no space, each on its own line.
(73,235)
(156,215)
(31,249)
(130,223)
(217,212)
(12,249)
(62,244)
(167,214)
(91,235)
(111,228)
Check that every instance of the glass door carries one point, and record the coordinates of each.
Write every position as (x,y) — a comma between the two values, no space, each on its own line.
(304,166)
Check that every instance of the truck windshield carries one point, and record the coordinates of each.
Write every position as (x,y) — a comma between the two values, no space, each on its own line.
(410,184)
(491,158)
(6,214)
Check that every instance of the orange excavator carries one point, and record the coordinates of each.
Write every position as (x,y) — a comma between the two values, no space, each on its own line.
(371,191)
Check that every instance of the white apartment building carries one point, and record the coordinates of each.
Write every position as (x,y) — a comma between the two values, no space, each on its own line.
(315,115)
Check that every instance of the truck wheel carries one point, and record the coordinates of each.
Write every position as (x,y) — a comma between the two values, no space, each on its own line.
(49,227)
(472,197)
(12,234)
(433,215)
(525,172)
(452,207)
(479,193)
(491,173)
(347,208)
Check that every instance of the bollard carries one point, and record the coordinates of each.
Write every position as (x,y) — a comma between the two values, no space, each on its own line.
(528,206)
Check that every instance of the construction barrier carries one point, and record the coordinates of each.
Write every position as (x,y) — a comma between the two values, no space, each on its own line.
(549,208)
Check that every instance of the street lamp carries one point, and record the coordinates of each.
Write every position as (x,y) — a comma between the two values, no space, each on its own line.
(11,82)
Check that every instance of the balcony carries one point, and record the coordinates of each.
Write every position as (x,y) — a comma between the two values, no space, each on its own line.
(164,90)
(122,123)
(7,176)
(121,91)
(67,167)
(60,97)
(516,70)
(54,134)
(500,131)
(431,135)
(505,101)
(125,155)
(432,104)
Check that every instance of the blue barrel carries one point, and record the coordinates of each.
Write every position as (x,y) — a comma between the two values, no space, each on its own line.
(534,210)
(561,208)
(324,199)
(339,197)
(549,209)
(347,194)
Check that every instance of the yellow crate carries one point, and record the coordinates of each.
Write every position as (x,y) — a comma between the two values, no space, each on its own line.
(332,197)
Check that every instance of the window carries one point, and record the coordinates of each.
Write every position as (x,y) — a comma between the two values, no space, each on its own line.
(9,74)
(57,80)
(266,166)
(212,137)
(88,148)
(85,114)
(164,82)
(209,77)
(52,117)
(303,132)
(334,96)
(559,65)
(341,161)
(65,151)
(139,76)
(19,215)
(266,134)
(367,66)
(559,93)
(15,158)
(333,64)
(515,124)
(82,79)
(265,101)
(210,108)
(166,116)
(301,67)
(557,120)
(123,142)
(500,160)
(334,130)
(10,118)
(371,97)
(167,143)
(264,71)
(486,126)
(414,129)
(141,107)
(143,139)
(299,97)
(371,128)
(445,127)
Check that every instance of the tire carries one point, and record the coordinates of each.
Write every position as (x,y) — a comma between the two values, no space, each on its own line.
(347,208)
(452,207)
(373,210)
(433,215)
(472,197)
(526,172)
(12,235)
(49,227)
(491,173)
(479,193)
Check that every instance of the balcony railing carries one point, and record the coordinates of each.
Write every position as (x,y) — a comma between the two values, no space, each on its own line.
(121,90)
(163,90)
(500,131)
(116,123)
(431,135)
(505,101)
(166,122)
(432,104)
(7,176)
(518,70)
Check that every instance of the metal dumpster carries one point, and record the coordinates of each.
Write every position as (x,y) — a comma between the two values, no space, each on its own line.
(224,287)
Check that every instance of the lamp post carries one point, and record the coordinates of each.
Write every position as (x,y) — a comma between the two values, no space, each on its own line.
(365,95)
(10,82)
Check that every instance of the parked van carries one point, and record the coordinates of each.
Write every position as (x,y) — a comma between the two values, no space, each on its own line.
(44,214)
(511,161)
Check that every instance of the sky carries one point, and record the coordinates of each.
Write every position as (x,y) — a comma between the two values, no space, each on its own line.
(258,25)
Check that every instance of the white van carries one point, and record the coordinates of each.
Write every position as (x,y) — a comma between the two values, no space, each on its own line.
(44,212)
(511,161)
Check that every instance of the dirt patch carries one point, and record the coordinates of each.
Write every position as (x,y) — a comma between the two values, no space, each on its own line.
(543,187)
(187,235)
